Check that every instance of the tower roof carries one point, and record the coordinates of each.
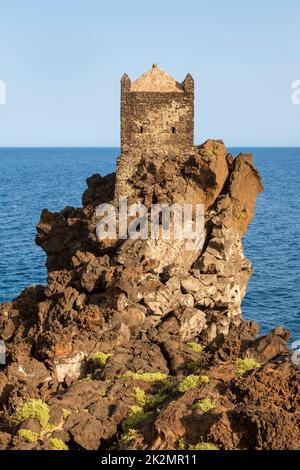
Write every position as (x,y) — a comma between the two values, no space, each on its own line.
(156,80)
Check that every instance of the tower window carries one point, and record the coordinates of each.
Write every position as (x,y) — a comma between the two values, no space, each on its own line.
(173,130)
(141,130)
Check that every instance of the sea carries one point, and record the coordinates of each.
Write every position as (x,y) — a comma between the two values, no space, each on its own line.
(35,178)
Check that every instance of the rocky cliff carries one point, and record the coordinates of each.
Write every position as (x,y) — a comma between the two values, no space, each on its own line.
(140,344)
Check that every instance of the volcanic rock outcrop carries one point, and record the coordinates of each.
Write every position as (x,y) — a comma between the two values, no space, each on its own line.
(139,343)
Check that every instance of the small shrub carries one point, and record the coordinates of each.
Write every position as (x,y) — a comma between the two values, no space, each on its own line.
(35,409)
(99,358)
(130,435)
(86,377)
(190,382)
(156,398)
(139,396)
(135,409)
(195,346)
(181,443)
(27,435)
(58,444)
(146,376)
(136,417)
(193,365)
(203,446)
(66,412)
(245,365)
(204,405)
(241,215)
(204,379)
(148,400)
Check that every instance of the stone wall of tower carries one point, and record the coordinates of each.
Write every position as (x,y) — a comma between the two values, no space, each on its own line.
(156,119)
(158,123)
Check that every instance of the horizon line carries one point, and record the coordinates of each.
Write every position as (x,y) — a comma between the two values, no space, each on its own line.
(118,147)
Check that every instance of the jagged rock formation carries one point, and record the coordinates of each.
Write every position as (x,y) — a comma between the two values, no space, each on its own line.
(145,324)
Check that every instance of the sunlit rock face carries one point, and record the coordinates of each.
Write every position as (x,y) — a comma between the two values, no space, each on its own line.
(145,334)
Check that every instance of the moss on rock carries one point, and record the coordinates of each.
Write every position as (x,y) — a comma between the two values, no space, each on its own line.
(195,346)
(99,358)
(58,444)
(191,381)
(246,365)
(35,409)
(146,376)
(204,405)
(27,435)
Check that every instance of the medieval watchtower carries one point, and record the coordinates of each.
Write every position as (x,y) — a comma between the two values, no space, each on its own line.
(157,115)
(156,110)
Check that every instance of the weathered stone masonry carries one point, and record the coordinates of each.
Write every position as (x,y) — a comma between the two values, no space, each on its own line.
(157,118)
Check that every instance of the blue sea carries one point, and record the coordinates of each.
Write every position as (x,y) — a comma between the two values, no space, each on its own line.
(34,178)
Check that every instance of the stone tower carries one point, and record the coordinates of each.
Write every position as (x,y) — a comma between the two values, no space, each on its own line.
(157,117)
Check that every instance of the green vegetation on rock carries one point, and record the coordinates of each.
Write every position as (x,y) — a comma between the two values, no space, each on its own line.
(190,382)
(34,409)
(204,405)
(195,346)
(66,412)
(86,377)
(146,376)
(130,435)
(58,444)
(204,446)
(139,396)
(245,365)
(181,443)
(156,398)
(134,409)
(27,435)
(136,417)
(99,358)
(193,365)
(241,215)
(151,400)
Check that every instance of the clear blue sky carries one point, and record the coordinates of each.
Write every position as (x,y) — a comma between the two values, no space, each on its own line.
(62,62)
